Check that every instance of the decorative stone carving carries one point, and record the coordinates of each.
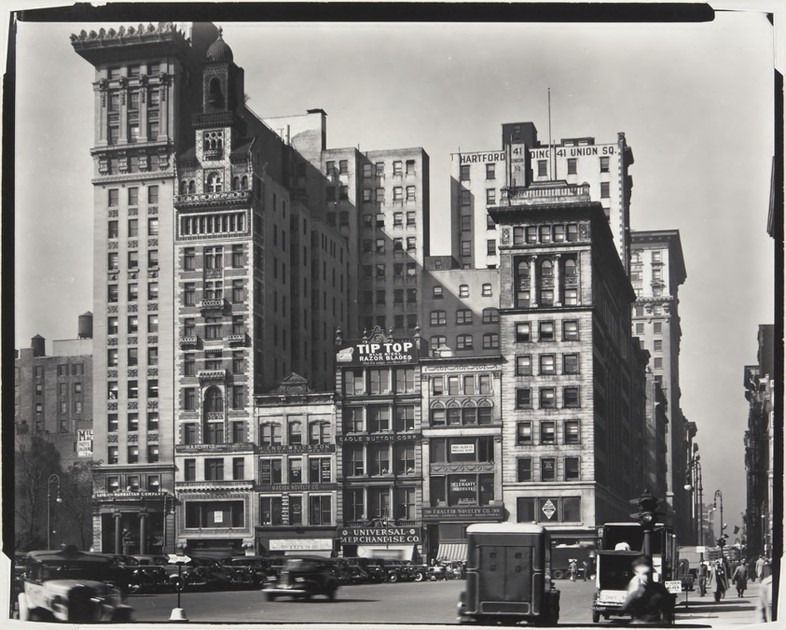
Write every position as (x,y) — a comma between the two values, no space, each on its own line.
(112,214)
(505,237)
(133,404)
(112,439)
(133,438)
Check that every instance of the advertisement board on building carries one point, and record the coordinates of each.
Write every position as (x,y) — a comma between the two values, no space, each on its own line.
(463,514)
(377,351)
(84,443)
(463,491)
(377,535)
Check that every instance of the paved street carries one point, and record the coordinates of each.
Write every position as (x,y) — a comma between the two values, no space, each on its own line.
(411,603)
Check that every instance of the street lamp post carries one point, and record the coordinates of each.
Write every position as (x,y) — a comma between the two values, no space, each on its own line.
(719,495)
(167,499)
(56,478)
(694,483)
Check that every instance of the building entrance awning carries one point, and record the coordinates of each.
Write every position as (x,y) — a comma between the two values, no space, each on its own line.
(391,552)
(452,551)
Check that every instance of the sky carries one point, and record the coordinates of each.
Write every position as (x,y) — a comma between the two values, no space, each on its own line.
(694,101)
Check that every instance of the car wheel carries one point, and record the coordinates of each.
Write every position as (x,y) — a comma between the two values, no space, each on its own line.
(595,616)
(393,578)
(558,574)
(271,597)
(419,577)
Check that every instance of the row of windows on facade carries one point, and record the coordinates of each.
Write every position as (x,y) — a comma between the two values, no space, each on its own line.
(132,454)
(378,246)
(546,331)
(637,257)
(466,169)
(465,222)
(547,364)
(132,324)
(548,469)
(548,432)
(62,408)
(546,510)
(132,196)
(377,195)
(151,68)
(213,399)
(552,233)
(271,512)
(380,296)
(377,220)
(113,260)
(132,228)
(132,422)
(132,357)
(402,324)
(489,341)
(572,166)
(132,292)
(214,183)
(132,389)
(133,130)
(656,310)
(369,170)
(464,316)
(133,482)
(465,197)
(77,369)
(547,398)
(400,380)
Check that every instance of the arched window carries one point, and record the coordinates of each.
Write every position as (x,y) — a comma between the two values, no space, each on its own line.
(484,412)
(570,267)
(469,414)
(319,433)
(192,186)
(214,183)
(454,413)
(215,97)
(546,269)
(522,269)
(270,433)
(214,400)
(244,183)
(235,183)
(183,187)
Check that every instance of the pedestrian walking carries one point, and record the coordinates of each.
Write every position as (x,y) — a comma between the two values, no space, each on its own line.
(717,580)
(760,568)
(584,570)
(740,578)
(573,569)
(764,600)
(703,574)
(647,600)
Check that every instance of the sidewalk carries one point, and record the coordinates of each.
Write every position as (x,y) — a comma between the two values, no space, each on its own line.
(729,611)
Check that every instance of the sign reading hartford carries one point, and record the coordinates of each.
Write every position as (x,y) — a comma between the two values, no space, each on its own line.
(379,535)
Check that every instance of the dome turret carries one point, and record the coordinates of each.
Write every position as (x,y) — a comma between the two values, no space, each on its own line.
(219,50)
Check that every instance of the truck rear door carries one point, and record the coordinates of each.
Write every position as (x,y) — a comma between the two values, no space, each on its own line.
(505,573)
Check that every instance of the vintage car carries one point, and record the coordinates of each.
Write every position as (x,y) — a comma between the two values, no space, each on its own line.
(148,574)
(248,571)
(302,577)
(72,586)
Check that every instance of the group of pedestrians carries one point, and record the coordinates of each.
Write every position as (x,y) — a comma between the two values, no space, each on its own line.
(716,576)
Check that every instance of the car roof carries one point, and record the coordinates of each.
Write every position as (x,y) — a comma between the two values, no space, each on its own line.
(64,555)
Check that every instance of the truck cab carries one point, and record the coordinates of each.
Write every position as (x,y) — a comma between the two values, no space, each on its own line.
(508,576)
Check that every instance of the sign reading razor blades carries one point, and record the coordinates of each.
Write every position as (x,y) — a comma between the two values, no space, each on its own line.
(393,351)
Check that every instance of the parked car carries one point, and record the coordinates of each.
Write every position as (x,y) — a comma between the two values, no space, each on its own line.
(374,568)
(148,574)
(358,574)
(418,572)
(72,586)
(248,571)
(303,577)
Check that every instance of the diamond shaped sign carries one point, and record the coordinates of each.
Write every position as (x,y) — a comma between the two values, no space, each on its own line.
(548,509)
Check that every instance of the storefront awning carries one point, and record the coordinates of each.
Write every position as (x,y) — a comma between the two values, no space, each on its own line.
(452,551)
(391,552)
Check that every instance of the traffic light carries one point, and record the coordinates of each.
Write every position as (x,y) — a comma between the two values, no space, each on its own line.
(648,509)
(721,542)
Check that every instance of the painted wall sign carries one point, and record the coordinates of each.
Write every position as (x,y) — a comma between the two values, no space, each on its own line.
(381,352)
(474,158)
(467,513)
(597,149)
(383,437)
(463,491)
(297,448)
(379,535)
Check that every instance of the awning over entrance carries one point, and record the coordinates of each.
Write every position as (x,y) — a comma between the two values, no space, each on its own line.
(321,553)
(452,551)
(391,552)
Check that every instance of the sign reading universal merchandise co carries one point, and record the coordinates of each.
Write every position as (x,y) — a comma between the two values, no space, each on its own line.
(377,535)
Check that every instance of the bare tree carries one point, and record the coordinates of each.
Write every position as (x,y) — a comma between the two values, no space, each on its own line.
(76,512)
(35,460)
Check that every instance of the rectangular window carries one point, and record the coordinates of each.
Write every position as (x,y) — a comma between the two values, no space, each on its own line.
(570,397)
(570,364)
(524,365)
(548,469)
(270,471)
(320,512)
(547,398)
(491,196)
(524,469)
(189,469)
(113,197)
(133,454)
(570,330)
(542,168)
(295,470)
(604,164)
(572,163)
(523,332)
(546,331)
(152,453)
(547,364)
(133,196)
(571,469)
(571,429)
(548,432)
(524,432)
(523,398)
(490,171)
(214,469)
(238,468)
